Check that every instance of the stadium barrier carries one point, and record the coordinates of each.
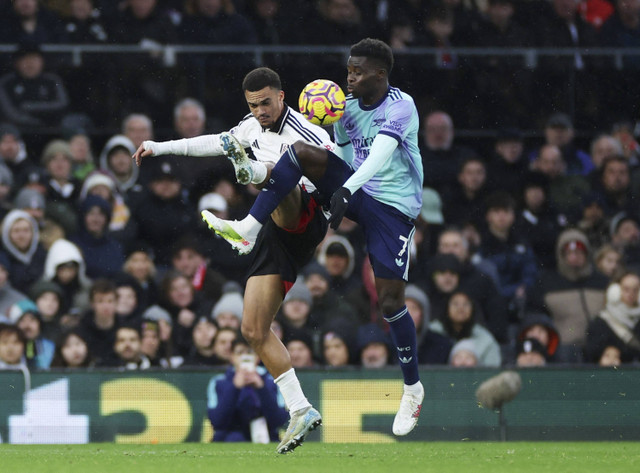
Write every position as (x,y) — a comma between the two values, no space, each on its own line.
(357,406)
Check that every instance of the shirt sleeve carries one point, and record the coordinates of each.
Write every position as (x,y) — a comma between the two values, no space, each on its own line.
(381,150)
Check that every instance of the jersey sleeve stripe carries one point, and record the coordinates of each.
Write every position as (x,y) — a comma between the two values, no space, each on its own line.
(307,134)
(391,135)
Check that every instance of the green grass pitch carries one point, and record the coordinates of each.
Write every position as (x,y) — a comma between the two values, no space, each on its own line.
(404,457)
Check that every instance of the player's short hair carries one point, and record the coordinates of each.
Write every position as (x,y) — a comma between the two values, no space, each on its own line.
(260,78)
(376,50)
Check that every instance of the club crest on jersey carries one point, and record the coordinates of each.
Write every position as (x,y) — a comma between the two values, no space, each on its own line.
(284,147)
(349,126)
(378,121)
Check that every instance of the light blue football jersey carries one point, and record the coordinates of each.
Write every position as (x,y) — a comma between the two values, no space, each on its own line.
(399,182)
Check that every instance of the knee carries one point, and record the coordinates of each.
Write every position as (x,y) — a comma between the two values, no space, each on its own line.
(253,334)
(391,303)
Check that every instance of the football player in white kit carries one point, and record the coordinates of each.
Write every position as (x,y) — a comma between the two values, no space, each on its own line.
(286,243)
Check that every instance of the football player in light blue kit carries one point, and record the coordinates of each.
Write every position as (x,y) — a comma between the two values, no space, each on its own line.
(375,178)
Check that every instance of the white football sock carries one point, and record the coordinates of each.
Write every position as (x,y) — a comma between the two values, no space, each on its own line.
(259,172)
(249,228)
(415,389)
(291,391)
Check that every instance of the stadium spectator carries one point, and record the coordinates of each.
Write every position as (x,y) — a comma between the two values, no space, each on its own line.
(539,326)
(128,308)
(20,239)
(603,146)
(161,212)
(373,344)
(72,351)
(29,94)
(81,154)
(608,261)
(565,192)
(617,325)
(624,229)
(622,30)
(592,220)
(157,342)
(66,267)
(326,305)
(508,165)
(189,260)
(572,294)
(300,344)
(12,344)
(223,344)
(228,310)
(464,354)
(178,297)
(99,324)
(103,254)
(610,356)
(338,344)
(295,314)
(614,186)
(243,404)
(127,350)
(202,353)
(509,251)
(531,353)
(465,202)
(538,220)
(103,185)
(13,152)
(433,348)
(138,127)
(337,255)
(139,264)
(38,350)
(84,24)
(8,295)
(559,131)
(440,155)
(47,296)
(29,20)
(460,323)
(340,20)
(115,159)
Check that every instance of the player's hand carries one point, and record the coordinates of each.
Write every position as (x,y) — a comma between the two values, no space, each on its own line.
(339,205)
(144,150)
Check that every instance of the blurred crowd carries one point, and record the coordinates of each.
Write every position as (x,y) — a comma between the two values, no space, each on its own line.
(527,251)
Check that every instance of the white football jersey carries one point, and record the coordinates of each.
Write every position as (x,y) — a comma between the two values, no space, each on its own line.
(268,145)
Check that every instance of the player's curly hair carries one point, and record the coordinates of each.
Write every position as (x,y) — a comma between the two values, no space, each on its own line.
(260,78)
(374,49)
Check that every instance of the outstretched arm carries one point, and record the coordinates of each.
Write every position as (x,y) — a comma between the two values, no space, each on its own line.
(199,146)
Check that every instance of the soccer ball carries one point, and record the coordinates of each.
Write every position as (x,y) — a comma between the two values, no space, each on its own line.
(322,102)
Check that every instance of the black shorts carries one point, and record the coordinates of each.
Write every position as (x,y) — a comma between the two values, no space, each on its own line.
(285,252)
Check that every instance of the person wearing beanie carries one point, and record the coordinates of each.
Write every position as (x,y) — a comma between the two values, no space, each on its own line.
(103,185)
(295,315)
(299,343)
(339,343)
(60,185)
(540,326)
(464,354)
(228,310)
(572,293)
(337,255)
(31,201)
(39,350)
(531,352)
(374,346)
(444,279)
(20,238)
(103,253)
